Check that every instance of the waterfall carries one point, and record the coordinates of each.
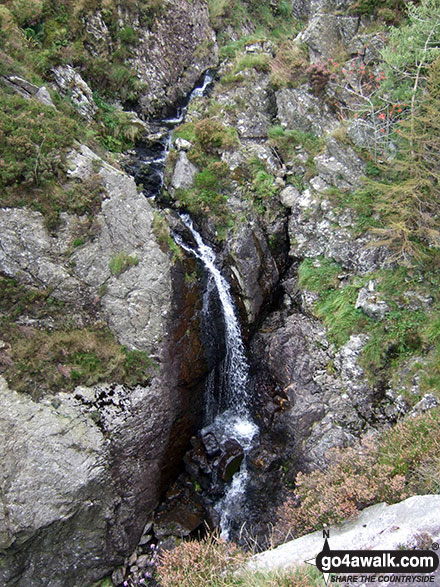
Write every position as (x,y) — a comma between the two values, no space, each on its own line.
(231,419)
(227,414)
(147,167)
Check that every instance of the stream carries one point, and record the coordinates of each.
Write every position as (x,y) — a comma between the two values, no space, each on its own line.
(227,425)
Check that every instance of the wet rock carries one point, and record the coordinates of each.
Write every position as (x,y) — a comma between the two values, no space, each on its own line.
(164,57)
(323,408)
(230,460)
(211,444)
(180,519)
(254,267)
(118,576)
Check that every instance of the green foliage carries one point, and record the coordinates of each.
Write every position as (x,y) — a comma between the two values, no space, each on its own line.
(33,141)
(394,337)
(116,130)
(128,35)
(213,562)
(403,461)
(37,361)
(273,20)
(407,194)
(161,230)
(287,69)
(120,262)
(389,10)
(211,135)
(337,309)
(258,61)
(286,141)
(411,48)
(319,275)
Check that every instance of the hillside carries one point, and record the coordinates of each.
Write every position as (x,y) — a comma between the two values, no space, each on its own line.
(299,300)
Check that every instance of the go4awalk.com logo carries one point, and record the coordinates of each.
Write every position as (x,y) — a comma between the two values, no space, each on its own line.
(376,566)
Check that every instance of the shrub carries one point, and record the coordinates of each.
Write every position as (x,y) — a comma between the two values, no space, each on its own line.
(120,262)
(403,461)
(212,135)
(198,564)
(259,61)
(353,481)
(287,68)
(33,141)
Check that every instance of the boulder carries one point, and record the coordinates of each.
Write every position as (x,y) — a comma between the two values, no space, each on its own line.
(184,172)
(71,84)
(379,527)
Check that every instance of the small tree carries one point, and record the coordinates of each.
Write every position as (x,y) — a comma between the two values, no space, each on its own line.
(408,200)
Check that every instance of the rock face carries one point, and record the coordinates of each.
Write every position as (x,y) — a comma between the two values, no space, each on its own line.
(72,84)
(324,409)
(379,527)
(173,54)
(84,470)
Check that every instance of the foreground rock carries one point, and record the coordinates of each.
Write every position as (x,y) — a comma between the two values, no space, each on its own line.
(381,526)
(81,472)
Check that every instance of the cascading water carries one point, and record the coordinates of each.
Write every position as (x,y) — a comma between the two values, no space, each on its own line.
(227,401)
(148,164)
(227,414)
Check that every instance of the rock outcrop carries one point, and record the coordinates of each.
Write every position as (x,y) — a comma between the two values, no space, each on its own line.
(82,471)
(413,523)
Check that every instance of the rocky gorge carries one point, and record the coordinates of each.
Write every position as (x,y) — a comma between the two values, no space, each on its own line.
(104,462)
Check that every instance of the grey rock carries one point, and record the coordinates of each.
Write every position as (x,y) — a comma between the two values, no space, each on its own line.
(340,165)
(136,303)
(253,267)
(248,105)
(327,31)
(371,304)
(43,96)
(298,109)
(428,402)
(317,228)
(322,414)
(417,301)
(184,172)
(164,57)
(379,527)
(118,576)
(23,84)
(362,133)
(23,87)
(54,480)
(289,196)
(182,144)
(70,83)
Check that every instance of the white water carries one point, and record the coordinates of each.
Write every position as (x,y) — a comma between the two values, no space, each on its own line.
(235,421)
